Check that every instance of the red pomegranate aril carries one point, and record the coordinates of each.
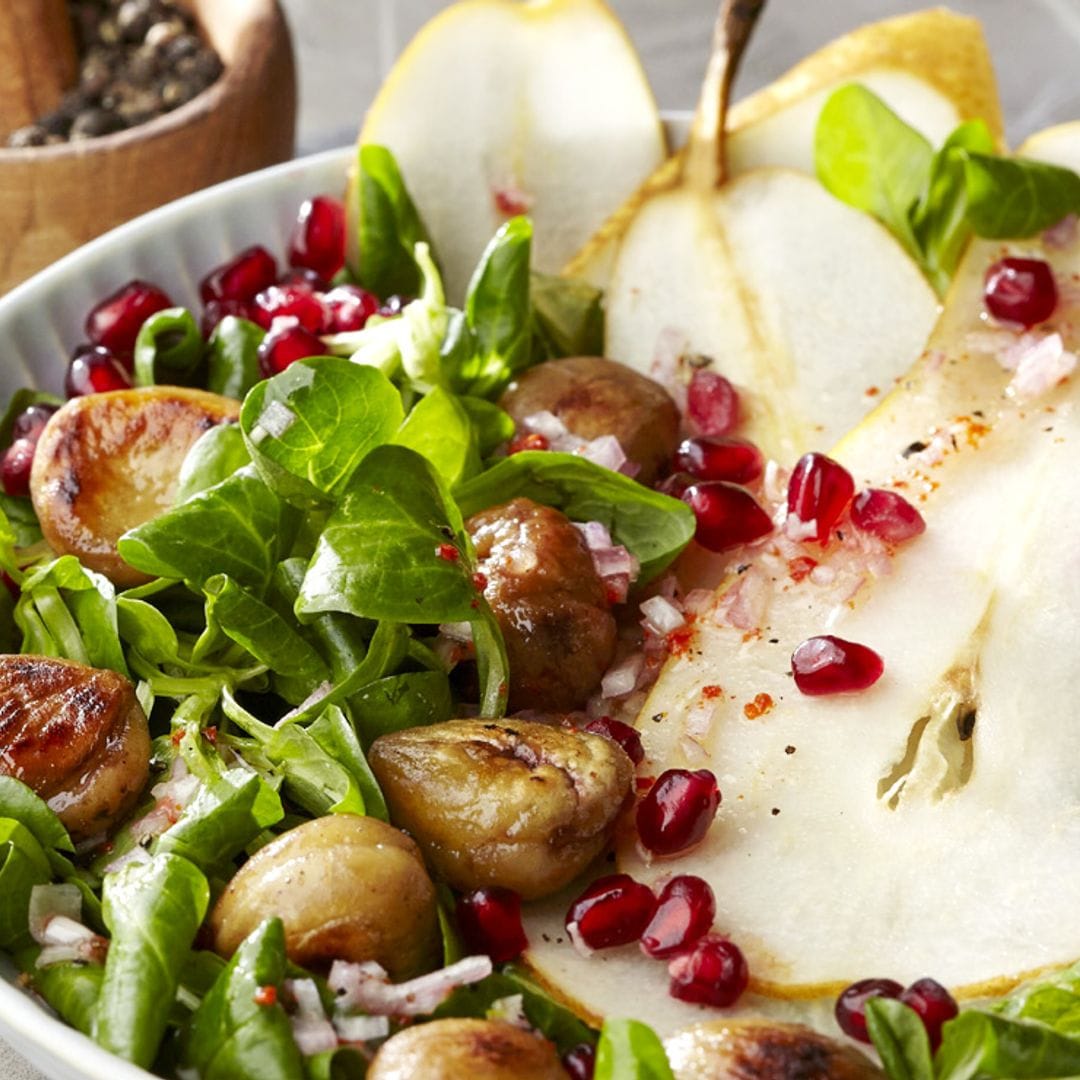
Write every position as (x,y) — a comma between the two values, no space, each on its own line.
(318,240)
(676,484)
(349,308)
(818,493)
(115,322)
(285,343)
(850,1008)
(242,278)
(712,404)
(304,275)
(527,440)
(678,810)
(713,972)
(613,910)
(217,310)
(684,912)
(295,301)
(933,1004)
(623,734)
(30,423)
(490,922)
(886,515)
(580,1062)
(95,370)
(15,466)
(1020,291)
(830,665)
(727,515)
(720,458)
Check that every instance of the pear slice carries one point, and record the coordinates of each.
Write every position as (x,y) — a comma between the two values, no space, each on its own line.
(930,824)
(932,67)
(541,107)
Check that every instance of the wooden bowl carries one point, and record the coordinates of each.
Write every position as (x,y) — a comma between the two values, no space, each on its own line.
(54,198)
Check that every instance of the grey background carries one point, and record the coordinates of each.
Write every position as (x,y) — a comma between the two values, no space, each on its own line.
(344,48)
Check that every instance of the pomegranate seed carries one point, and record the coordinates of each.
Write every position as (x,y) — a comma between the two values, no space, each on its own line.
(448,552)
(726,515)
(677,811)
(216,310)
(242,278)
(285,343)
(613,910)
(720,458)
(265,995)
(684,913)
(30,423)
(623,734)
(348,308)
(675,484)
(15,467)
(527,440)
(712,404)
(831,665)
(318,240)
(115,323)
(818,493)
(934,1005)
(490,922)
(297,301)
(95,370)
(850,1008)
(887,515)
(303,275)
(580,1062)
(713,972)
(1020,291)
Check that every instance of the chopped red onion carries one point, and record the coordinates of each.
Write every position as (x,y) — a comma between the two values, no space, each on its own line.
(661,616)
(457,631)
(136,855)
(1062,235)
(622,678)
(606,451)
(1041,366)
(314,1034)
(48,902)
(510,1010)
(358,1029)
(367,986)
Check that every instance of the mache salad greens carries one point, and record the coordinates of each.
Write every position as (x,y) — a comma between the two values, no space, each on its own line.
(297,589)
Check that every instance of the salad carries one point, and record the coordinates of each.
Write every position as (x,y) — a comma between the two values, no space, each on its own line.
(279,570)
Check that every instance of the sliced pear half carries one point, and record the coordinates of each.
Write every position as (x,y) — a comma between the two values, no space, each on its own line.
(932,67)
(931,824)
(499,106)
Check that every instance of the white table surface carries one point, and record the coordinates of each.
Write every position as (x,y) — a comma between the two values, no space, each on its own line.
(344,48)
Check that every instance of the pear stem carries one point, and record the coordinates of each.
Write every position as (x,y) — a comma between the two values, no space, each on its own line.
(705,167)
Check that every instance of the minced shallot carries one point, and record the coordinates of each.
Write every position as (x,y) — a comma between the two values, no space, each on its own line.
(367,986)
(54,924)
(314,1034)
(616,567)
(605,450)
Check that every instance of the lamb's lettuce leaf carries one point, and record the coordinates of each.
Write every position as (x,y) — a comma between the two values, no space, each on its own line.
(169,349)
(630,1050)
(232,357)
(217,454)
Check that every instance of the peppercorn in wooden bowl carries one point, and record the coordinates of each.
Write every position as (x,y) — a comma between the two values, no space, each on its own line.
(54,198)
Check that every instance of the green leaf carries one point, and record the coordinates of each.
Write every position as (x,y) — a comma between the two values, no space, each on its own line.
(384,551)
(23,864)
(630,1050)
(900,1038)
(169,349)
(552,1020)
(238,527)
(654,527)
(389,225)
(217,455)
(19,802)
(568,317)
(979,1045)
(344,1063)
(868,157)
(309,428)
(22,527)
(67,611)
(72,989)
(144,627)
(233,357)
(439,428)
(1011,197)
(272,640)
(492,426)
(153,911)
(498,314)
(336,735)
(232,1036)
(415,699)
(222,819)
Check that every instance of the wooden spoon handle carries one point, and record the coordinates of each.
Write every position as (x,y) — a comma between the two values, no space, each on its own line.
(705,167)
(37,59)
